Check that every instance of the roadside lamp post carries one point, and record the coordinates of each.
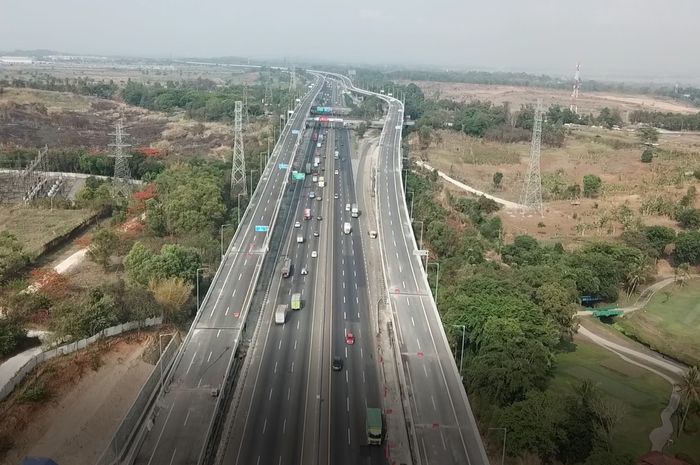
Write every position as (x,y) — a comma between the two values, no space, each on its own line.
(437,279)
(420,245)
(412,195)
(222,238)
(461,355)
(503,452)
(238,210)
(160,361)
(197,276)
(251,182)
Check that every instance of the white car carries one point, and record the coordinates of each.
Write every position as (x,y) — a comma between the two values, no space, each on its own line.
(297,225)
(304,271)
(312,195)
(314,254)
(336,171)
(335,196)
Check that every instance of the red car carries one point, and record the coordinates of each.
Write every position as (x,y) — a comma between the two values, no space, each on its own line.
(349,338)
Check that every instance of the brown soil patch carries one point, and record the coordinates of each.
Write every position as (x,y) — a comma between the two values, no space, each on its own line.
(588,102)
(88,393)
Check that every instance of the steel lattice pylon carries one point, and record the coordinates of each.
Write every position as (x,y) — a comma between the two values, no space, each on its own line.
(121,182)
(532,193)
(238,185)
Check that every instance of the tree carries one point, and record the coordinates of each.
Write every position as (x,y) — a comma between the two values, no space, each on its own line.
(361,129)
(559,303)
(591,185)
(138,263)
(103,245)
(95,313)
(638,272)
(689,218)
(689,390)
(425,136)
(647,156)
(687,247)
(609,118)
(12,256)
(533,425)
(648,134)
(155,217)
(11,333)
(172,294)
(497,178)
(659,237)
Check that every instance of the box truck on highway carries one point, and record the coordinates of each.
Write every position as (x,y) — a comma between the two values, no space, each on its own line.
(281,314)
(308,168)
(347,229)
(321,181)
(296,301)
(286,267)
(374,426)
(355,212)
(307,213)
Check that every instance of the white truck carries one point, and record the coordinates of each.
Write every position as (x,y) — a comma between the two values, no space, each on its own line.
(281,314)
(321,181)
(347,228)
(300,239)
(355,212)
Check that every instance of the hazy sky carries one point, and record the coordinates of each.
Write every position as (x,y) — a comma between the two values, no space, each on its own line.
(630,38)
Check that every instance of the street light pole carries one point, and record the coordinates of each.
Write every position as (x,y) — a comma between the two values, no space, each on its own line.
(251,182)
(461,354)
(238,210)
(437,279)
(503,451)
(222,238)
(197,275)
(412,196)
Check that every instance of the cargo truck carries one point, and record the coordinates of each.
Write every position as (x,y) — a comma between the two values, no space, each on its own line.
(374,426)
(321,181)
(296,301)
(347,229)
(355,212)
(308,168)
(286,267)
(281,314)
(307,213)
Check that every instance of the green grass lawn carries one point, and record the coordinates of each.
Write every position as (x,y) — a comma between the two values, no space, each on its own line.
(643,394)
(35,227)
(670,324)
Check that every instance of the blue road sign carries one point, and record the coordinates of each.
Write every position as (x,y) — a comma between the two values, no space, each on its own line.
(283,166)
(259,228)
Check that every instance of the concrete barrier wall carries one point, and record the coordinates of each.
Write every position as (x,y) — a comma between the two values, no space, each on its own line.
(33,362)
(140,407)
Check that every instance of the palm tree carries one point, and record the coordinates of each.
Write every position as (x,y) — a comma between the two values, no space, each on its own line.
(689,390)
(638,273)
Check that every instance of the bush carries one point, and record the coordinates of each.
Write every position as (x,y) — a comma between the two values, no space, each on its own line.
(35,392)
(647,156)
(591,185)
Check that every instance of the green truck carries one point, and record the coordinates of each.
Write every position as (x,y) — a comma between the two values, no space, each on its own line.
(374,426)
(296,301)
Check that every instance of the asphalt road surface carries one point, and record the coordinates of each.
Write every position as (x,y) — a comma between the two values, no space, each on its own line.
(179,431)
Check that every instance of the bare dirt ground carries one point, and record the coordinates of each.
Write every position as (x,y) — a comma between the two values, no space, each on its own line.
(588,102)
(84,407)
(612,155)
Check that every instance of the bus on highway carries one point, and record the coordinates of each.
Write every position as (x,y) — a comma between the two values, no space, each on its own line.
(286,267)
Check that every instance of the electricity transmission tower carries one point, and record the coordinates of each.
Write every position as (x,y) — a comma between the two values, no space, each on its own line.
(293,84)
(532,194)
(120,182)
(574,94)
(238,164)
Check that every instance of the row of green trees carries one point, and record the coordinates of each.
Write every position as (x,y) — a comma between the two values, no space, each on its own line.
(670,121)
(81,85)
(517,313)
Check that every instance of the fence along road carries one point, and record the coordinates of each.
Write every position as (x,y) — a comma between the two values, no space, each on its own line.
(178,429)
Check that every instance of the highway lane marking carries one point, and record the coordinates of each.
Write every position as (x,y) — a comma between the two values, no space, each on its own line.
(346,351)
(270,396)
(275,371)
(347,404)
(298,322)
(355,273)
(442,437)
(346,376)
(218,333)
(413,321)
(344,299)
(343,272)
(264,426)
(418,341)
(212,312)
(357,300)
(187,417)
(425,369)
(245,262)
(295,344)
(289,393)
(348,435)
(234,292)
(432,399)
(161,433)
(404,284)
(408,301)
(345,315)
(279,346)
(292,369)
(284,428)
(172,458)
(209,357)
(343,284)
(361,353)
(191,362)
(397,255)
(400,269)
(355,283)
(358,315)
(240,276)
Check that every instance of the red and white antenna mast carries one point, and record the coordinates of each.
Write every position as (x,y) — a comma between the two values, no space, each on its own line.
(574,94)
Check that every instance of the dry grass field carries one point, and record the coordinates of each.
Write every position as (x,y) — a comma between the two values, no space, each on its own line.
(588,102)
(614,156)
